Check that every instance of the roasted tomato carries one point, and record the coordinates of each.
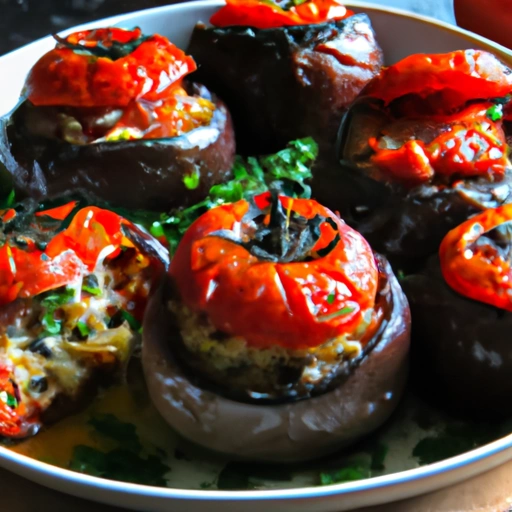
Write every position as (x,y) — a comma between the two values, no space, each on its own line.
(73,289)
(423,148)
(108,114)
(290,81)
(276,302)
(462,309)
(258,14)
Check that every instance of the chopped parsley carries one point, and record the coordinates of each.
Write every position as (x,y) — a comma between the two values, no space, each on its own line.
(119,464)
(495,113)
(51,303)
(191,181)
(91,286)
(126,462)
(289,169)
(336,314)
(330,298)
(8,399)
(110,426)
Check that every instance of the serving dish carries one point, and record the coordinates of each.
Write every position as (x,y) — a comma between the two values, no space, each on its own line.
(399,34)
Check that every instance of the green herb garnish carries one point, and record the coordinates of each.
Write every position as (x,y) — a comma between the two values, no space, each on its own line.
(341,312)
(132,321)
(330,298)
(353,470)
(290,168)
(454,440)
(8,399)
(191,181)
(495,113)
(51,303)
(119,464)
(124,433)
(83,329)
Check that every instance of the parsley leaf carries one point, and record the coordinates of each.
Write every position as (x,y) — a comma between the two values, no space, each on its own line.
(495,113)
(354,470)
(119,464)
(191,181)
(51,303)
(124,433)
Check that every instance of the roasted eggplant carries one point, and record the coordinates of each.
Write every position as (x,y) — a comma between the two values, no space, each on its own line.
(284,72)
(73,289)
(422,149)
(279,335)
(107,114)
(461,306)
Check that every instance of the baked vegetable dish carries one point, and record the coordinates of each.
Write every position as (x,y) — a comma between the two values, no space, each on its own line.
(264,297)
(108,113)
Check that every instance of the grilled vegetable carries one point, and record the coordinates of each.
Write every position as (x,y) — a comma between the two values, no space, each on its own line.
(424,148)
(73,288)
(461,307)
(108,114)
(278,309)
(292,80)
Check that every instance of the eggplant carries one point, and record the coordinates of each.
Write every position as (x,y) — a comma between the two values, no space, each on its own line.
(139,174)
(407,223)
(285,83)
(460,352)
(287,431)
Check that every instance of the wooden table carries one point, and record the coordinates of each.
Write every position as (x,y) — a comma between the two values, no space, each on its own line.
(491,492)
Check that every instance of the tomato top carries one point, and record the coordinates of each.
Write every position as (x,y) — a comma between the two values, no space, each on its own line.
(30,267)
(475,261)
(107,67)
(290,273)
(273,14)
(470,144)
(451,79)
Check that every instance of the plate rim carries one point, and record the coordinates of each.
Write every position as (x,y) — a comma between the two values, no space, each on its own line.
(426,474)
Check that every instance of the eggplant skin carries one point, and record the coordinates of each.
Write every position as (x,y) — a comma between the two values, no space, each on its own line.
(286,432)
(460,352)
(277,87)
(140,174)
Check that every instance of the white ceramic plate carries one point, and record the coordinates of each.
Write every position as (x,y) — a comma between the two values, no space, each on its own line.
(400,34)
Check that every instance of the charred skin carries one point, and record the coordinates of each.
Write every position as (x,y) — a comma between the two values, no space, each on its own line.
(406,223)
(461,356)
(278,85)
(353,406)
(140,174)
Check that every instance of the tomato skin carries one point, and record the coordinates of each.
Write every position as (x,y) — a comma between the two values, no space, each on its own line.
(93,232)
(475,270)
(458,76)
(255,13)
(13,420)
(466,149)
(150,72)
(293,304)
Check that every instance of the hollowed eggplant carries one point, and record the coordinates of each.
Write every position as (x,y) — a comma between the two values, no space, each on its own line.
(144,173)
(285,83)
(461,357)
(279,432)
(400,220)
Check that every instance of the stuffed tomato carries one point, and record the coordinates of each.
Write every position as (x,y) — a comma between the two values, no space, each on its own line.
(108,113)
(423,148)
(73,289)
(286,70)
(279,335)
(462,309)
